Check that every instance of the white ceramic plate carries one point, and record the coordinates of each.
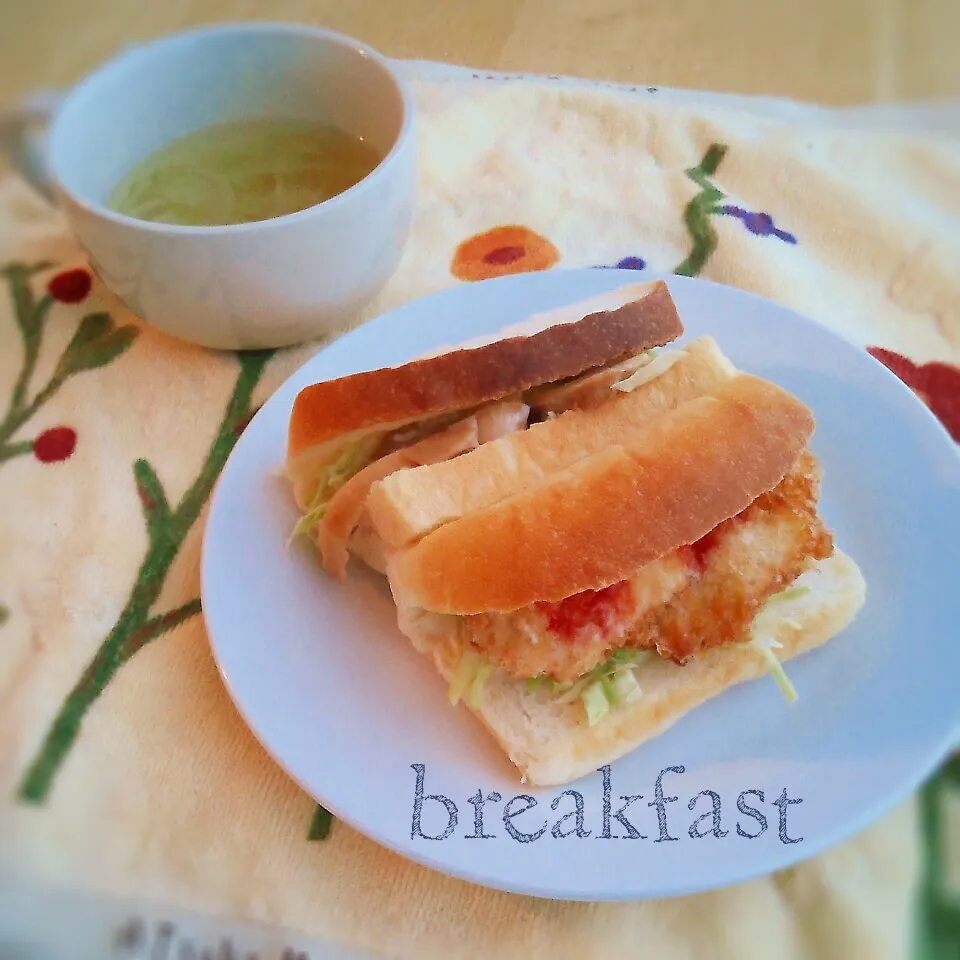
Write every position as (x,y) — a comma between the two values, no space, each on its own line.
(339,698)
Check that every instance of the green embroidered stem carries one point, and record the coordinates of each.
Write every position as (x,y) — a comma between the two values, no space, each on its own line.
(698,211)
(134,628)
(928,890)
(708,166)
(320,824)
(15,419)
(96,342)
(157,626)
(31,350)
(121,643)
(950,773)
(10,450)
(937,913)
(30,316)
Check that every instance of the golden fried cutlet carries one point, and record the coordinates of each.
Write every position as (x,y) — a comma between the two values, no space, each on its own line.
(701,596)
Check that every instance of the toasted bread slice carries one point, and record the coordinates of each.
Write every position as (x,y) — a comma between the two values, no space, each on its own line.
(545,348)
(408,505)
(681,605)
(551,742)
(605,517)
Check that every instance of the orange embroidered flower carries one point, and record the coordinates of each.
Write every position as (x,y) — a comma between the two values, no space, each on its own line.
(501,251)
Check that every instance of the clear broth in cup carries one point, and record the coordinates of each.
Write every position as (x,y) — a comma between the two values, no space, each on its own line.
(243,171)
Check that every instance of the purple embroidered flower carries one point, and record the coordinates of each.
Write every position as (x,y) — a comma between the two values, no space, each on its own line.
(759,224)
(627,263)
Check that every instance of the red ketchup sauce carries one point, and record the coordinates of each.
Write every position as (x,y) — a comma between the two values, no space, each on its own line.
(601,608)
(592,608)
(697,554)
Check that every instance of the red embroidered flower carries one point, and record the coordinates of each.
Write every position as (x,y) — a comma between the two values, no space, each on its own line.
(936,384)
(70,286)
(55,444)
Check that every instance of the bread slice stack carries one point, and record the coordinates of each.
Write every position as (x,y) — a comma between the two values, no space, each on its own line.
(588,531)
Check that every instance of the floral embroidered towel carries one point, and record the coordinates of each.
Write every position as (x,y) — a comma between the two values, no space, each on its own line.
(126,771)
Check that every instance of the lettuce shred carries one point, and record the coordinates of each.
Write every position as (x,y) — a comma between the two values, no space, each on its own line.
(763,646)
(595,703)
(472,673)
(351,460)
(657,365)
(614,682)
(609,685)
(762,637)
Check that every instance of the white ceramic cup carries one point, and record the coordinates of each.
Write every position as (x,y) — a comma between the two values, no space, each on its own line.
(271,283)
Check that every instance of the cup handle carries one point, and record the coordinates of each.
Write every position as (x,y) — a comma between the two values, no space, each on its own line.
(23,137)
(23,134)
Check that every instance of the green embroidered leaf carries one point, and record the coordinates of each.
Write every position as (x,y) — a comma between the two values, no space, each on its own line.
(320,824)
(711,159)
(4,614)
(91,327)
(29,315)
(22,269)
(96,342)
(114,344)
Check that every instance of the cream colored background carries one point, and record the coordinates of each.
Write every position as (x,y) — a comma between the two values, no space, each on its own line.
(830,51)
(168,798)
(868,261)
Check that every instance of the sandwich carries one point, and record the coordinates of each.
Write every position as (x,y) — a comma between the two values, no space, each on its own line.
(346,434)
(588,529)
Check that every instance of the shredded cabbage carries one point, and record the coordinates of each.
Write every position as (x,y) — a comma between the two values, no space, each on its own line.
(352,459)
(606,691)
(573,692)
(660,363)
(480,677)
(609,685)
(595,702)
(763,646)
(625,655)
(762,640)
(624,686)
(612,683)
(472,673)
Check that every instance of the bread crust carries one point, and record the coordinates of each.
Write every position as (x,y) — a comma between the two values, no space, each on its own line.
(612,513)
(465,378)
(406,506)
(552,745)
